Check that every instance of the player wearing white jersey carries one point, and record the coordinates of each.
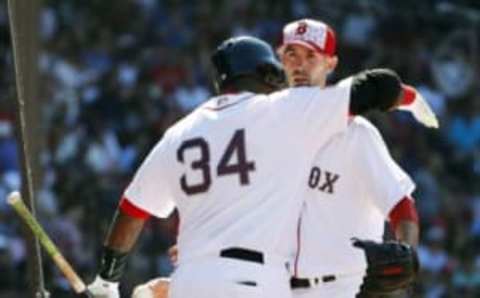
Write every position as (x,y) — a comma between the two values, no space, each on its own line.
(354,184)
(238,211)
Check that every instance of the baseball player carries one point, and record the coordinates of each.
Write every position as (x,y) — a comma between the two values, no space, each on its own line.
(237,211)
(354,185)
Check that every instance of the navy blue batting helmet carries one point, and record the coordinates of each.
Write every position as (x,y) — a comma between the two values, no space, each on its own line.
(247,57)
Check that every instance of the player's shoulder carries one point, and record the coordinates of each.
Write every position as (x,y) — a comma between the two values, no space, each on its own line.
(191,119)
(225,101)
(362,123)
(214,109)
(301,91)
(364,129)
(308,92)
(293,95)
(183,125)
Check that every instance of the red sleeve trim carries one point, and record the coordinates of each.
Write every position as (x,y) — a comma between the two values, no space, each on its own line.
(409,95)
(404,210)
(128,208)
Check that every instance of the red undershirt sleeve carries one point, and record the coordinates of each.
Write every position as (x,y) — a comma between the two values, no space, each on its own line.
(404,210)
(128,208)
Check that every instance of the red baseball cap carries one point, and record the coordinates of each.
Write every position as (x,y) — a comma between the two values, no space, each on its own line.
(313,34)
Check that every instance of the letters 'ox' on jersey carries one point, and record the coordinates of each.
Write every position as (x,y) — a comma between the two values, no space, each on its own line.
(348,196)
(234,168)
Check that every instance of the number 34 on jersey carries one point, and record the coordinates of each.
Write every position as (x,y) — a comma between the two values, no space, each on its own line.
(228,164)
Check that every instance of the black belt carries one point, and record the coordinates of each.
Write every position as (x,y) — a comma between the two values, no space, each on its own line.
(242,254)
(305,283)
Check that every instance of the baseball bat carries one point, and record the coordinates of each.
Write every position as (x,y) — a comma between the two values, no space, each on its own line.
(15,200)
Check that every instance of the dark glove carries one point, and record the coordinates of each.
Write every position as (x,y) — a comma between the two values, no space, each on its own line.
(390,266)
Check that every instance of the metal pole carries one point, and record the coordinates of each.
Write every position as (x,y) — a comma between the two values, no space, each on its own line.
(24,21)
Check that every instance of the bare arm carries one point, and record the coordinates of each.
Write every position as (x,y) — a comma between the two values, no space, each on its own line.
(121,238)
(408,231)
(404,221)
(124,232)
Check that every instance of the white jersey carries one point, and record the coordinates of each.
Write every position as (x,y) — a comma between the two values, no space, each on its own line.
(353,185)
(235,166)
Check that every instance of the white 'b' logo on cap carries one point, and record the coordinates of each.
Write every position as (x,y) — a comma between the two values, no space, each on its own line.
(301,29)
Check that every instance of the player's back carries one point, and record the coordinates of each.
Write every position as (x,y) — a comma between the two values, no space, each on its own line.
(234,168)
(241,162)
(241,195)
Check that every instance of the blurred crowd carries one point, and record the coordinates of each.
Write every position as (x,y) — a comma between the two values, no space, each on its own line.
(115,75)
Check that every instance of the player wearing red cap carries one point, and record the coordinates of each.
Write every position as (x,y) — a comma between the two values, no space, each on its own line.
(354,184)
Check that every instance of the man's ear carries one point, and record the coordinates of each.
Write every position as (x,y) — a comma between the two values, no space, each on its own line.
(332,63)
